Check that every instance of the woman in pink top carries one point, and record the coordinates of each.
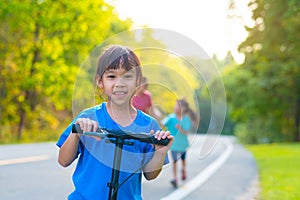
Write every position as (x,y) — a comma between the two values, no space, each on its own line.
(142,100)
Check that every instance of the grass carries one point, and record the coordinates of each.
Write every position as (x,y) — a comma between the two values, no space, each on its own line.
(279,170)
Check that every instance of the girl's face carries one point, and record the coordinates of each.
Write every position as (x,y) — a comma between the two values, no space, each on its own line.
(119,85)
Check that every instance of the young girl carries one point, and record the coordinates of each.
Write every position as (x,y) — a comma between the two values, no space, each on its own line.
(179,124)
(118,75)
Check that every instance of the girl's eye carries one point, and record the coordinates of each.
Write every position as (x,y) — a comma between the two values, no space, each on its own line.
(110,76)
(128,76)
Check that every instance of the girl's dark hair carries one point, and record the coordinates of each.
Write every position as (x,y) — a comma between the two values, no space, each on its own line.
(116,57)
(184,105)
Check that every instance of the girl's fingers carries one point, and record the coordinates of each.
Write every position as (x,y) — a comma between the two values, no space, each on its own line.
(157,135)
(151,132)
(161,134)
(95,125)
(87,124)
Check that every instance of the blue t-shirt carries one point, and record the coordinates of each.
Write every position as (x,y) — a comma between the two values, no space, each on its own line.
(94,168)
(180,143)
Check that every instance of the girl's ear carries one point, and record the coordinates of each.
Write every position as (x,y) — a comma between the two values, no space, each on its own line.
(99,82)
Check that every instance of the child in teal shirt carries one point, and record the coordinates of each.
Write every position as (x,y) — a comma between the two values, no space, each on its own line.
(179,124)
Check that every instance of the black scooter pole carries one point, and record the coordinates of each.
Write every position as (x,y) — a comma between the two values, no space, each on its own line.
(114,184)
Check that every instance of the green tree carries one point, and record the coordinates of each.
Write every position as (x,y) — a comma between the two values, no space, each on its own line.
(42,45)
(264,91)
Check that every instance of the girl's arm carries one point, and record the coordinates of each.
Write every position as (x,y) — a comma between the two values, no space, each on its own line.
(154,166)
(68,151)
(181,129)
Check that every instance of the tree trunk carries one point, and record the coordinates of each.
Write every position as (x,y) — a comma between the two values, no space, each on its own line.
(297,121)
(30,93)
(21,123)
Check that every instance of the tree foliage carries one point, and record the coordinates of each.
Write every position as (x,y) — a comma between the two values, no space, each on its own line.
(42,43)
(264,91)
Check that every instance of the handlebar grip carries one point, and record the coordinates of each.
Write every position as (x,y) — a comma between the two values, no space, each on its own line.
(150,139)
(76,129)
(164,142)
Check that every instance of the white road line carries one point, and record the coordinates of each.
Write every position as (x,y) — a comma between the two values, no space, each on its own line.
(196,182)
(23,160)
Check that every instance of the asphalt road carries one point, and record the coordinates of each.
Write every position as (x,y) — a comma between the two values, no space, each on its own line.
(218,169)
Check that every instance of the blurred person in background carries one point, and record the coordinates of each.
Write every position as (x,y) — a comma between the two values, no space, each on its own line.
(180,123)
(142,100)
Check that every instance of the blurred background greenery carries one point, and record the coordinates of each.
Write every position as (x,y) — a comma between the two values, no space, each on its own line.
(44,43)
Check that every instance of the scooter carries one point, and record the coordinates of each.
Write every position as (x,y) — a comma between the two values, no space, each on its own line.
(119,138)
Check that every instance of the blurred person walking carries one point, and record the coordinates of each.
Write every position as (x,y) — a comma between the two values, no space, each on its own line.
(180,123)
(142,100)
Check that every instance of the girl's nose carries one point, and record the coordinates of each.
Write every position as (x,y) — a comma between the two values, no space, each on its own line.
(119,82)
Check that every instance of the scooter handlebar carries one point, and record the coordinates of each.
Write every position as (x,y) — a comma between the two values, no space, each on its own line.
(111,133)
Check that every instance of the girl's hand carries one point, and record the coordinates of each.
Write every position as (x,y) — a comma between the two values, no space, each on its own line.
(162,135)
(88,125)
(178,126)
